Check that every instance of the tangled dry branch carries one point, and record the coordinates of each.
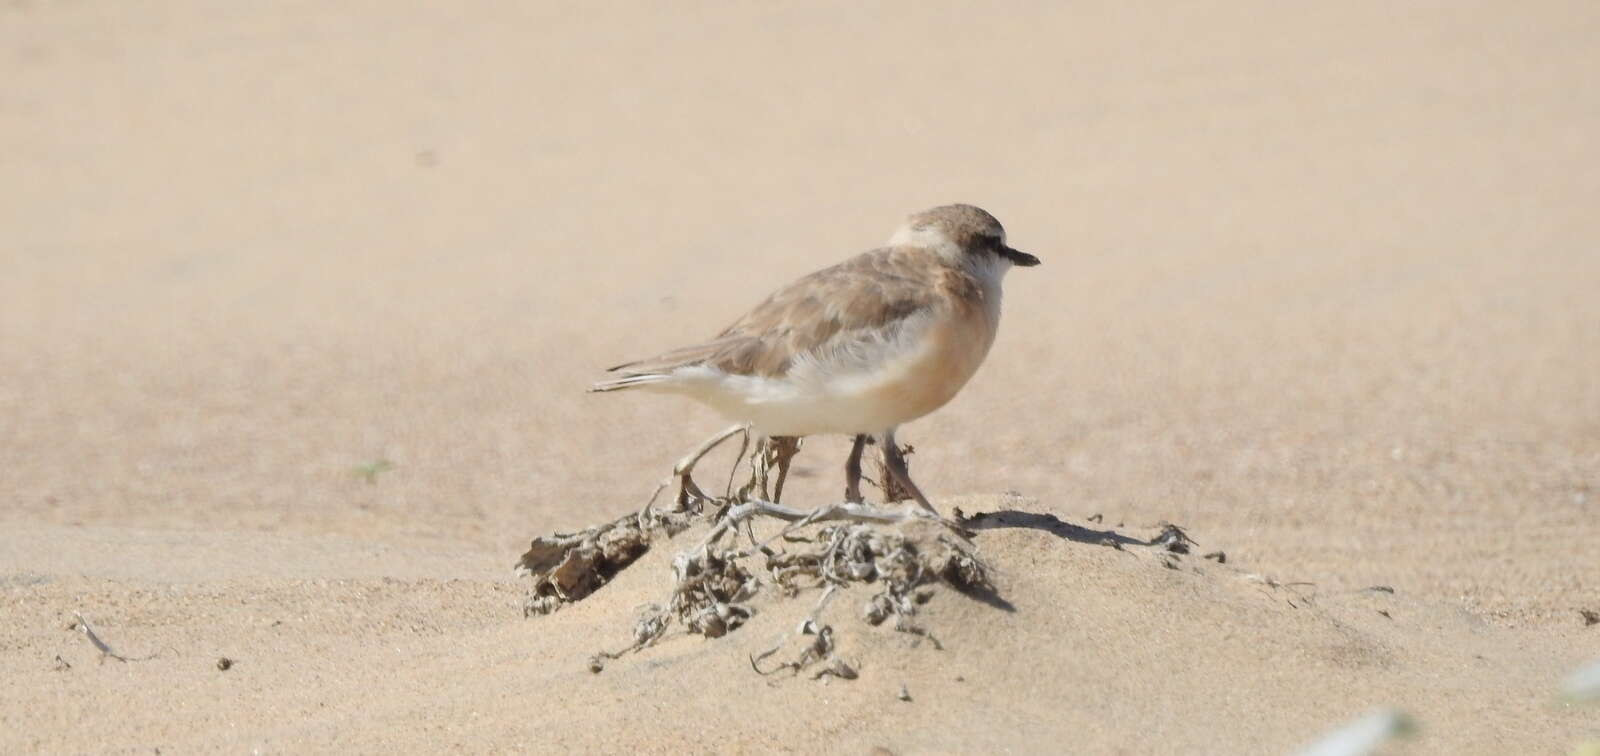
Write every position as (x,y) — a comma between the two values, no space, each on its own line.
(898,549)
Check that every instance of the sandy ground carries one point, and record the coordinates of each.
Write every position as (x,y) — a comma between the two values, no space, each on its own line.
(1319,284)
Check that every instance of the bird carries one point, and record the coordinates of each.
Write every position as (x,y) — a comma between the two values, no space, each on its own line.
(859,348)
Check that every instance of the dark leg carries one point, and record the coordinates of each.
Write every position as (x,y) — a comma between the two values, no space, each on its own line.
(783,449)
(895,463)
(852,471)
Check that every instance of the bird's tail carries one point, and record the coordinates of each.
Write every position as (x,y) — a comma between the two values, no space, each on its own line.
(663,367)
(627,382)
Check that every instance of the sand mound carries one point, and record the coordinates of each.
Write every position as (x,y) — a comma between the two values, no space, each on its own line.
(1096,637)
(1086,623)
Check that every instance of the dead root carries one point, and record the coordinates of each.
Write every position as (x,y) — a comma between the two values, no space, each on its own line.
(567,567)
(901,551)
(901,562)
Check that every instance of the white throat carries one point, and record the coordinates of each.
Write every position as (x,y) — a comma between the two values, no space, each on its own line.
(990,270)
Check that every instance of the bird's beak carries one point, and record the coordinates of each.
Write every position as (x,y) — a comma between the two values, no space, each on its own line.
(1018,257)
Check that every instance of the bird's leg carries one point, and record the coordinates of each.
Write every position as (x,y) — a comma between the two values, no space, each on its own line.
(685,467)
(894,462)
(760,460)
(771,453)
(782,449)
(887,482)
(852,470)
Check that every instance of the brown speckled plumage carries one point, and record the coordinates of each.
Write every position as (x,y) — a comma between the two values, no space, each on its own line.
(857,297)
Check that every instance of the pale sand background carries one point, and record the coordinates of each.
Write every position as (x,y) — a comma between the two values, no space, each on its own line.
(1319,284)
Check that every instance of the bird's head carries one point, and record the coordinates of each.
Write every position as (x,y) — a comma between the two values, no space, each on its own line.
(963,234)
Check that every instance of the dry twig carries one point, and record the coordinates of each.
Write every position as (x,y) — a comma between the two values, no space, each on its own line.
(829,547)
(105,650)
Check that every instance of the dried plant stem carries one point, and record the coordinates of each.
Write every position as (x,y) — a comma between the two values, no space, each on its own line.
(105,650)
(715,581)
(689,492)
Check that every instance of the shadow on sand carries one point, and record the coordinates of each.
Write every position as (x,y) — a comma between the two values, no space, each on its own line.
(1049,523)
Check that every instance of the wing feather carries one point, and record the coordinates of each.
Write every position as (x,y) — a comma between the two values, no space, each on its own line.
(857,299)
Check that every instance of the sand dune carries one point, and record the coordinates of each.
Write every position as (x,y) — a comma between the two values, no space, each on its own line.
(1101,649)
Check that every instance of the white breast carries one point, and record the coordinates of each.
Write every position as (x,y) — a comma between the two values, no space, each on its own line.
(862,387)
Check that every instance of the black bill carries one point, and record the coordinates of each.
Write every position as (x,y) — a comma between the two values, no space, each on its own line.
(1018,257)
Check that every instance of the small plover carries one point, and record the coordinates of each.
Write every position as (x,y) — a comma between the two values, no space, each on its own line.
(859,348)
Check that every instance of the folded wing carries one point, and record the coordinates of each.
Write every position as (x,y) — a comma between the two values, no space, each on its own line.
(858,300)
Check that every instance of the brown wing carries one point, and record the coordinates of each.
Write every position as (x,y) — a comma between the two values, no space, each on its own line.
(868,291)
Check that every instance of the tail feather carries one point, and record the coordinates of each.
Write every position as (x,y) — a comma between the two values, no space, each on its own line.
(662,366)
(627,382)
(683,357)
